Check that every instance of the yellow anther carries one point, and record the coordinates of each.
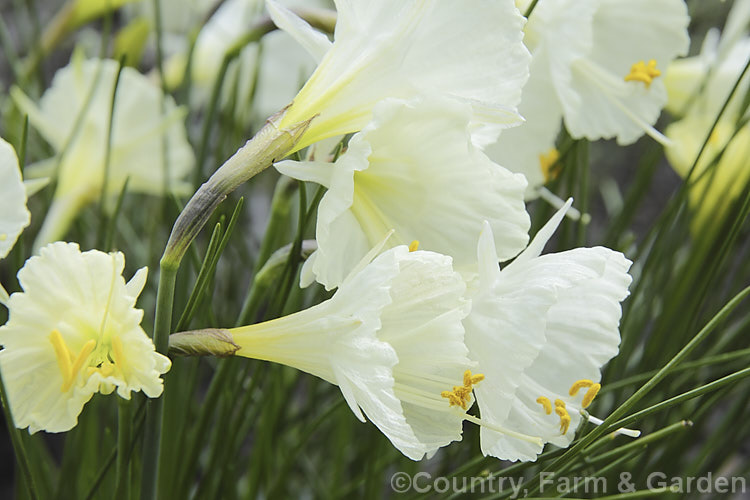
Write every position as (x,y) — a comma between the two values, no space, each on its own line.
(470,379)
(87,349)
(453,399)
(461,394)
(3,236)
(63,355)
(590,395)
(548,164)
(545,403)
(564,424)
(559,403)
(414,246)
(117,353)
(564,418)
(578,385)
(642,72)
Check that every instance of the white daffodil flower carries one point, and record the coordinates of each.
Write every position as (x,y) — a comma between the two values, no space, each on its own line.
(143,136)
(603,59)
(390,338)
(539,330)
(72,332)
(413,169)
(469,50)
(14,216)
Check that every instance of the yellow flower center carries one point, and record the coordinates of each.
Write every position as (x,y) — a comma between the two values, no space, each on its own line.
(71,364)
(642,72)
(548,162)
(414,246)
(461,394)
(561,411)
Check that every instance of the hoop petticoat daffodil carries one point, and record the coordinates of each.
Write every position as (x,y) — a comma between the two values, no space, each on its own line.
(602,60)
(470,50)
(538,329)
(370,339)
(141,133)
(412,169)
(72,332)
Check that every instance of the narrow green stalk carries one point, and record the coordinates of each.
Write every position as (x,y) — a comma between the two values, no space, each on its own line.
(96,483)
(110,235)
(694,393)
(201,281)
(699,363)
(155,410)
(124,429)
(530,9)
(108,153)
(639,443)
(22,458)
(656,492)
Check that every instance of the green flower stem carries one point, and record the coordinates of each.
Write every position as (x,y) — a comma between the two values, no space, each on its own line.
(124,430)
(694,393)
(155,410)
(721,359)
(530,9)
(639,443)
(22,459)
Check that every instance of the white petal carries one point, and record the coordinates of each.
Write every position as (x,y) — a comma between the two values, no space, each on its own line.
(472,50)
(135,286)
(309,171)
(581,334)
(545,233)
(314,42)
(14,216)
(415,170)
(519,148)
